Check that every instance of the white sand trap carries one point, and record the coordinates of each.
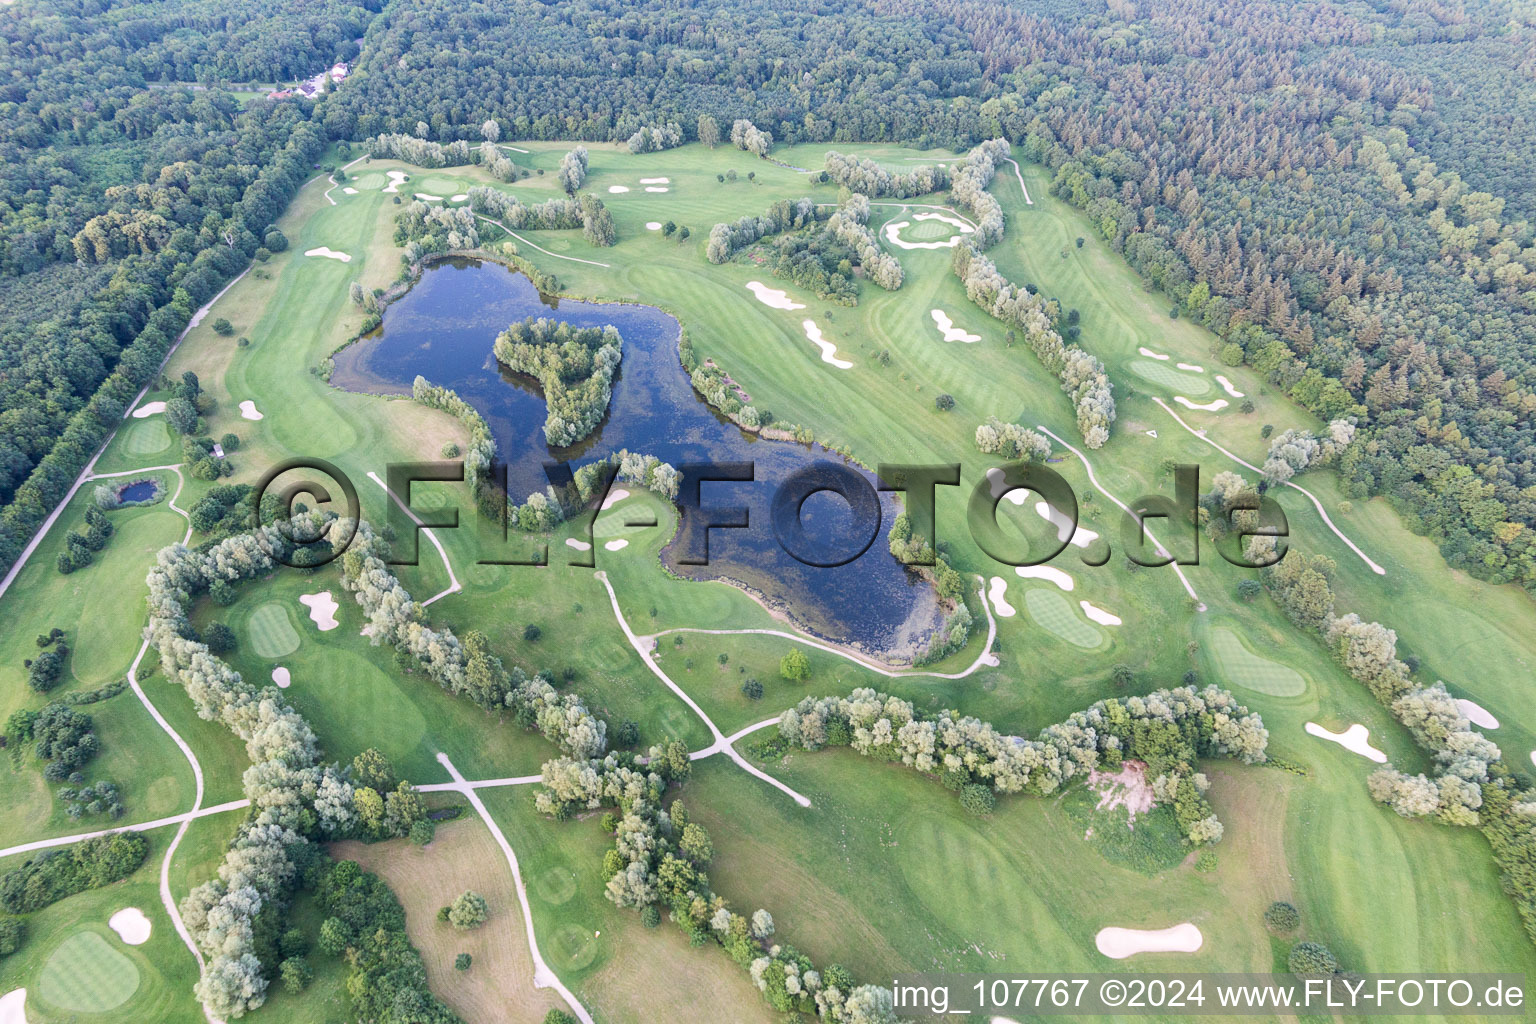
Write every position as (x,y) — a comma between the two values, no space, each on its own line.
(655,181)
(579,545)
(1533,761)
(428,197)
(248,410)
(322,608)
(148,409)
(892,234)
(1357,738)
(1215,406)
(1045,572)
(1153,355)
(1081,537)
(282,677)
(1226,386)
(653,225)
(772,296)
(828,350)
(616,189)
(349,191)
(1119,943)
(330,254)
(1191,367)
(395,178)
(965,229)
(947,328)
(131,926)
(1152,434)
(616,545)
(1099,615)
(460,197)
(998,595)
(614,497)
(657,188)
(13,1007)
(1017,495)
(1477,714)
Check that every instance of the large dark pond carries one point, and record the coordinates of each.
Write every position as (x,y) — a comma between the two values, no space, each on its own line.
(443,330)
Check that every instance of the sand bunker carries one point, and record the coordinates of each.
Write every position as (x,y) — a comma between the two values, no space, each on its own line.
(579,545)
(892,235)
(1226,386)
(395,178)
(1045,572)
(459,198)
(1191,367)
(330,254)
(1477,714)
(772,296)
(148,409)
(965,229)
(248,410)
(13,1007)
(1081,537)
(828,350)
(1017,495)
(1126,788)
(998,595)
(1099,615)
(1119,943)
(349,190)
(655,181)
(616,545)
(322,608)
(657,188)
(1357,738)
(428,197)
(281,677)
(1153,355)
(616,189)
(1218,404)
(614,497)
(947,328)
(653,225)
(131,926)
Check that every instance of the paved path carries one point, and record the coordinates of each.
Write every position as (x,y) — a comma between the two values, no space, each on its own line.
(520,238)
(983,660)
(1156,544)
(643,646)
(453,581)
(543,976)
(332,178)
(1378,570)
(1020,175)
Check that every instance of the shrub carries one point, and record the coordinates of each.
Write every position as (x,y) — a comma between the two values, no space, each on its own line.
(219,638)
(296,974)
(223,327)
(752,689)
(650,916)
(13,931)
(795,666)
(944,402)
(1281,917)
(531,633)
(462,962)
(1312,960)
(468,910)
(422,831)
(977,799)
(450,450)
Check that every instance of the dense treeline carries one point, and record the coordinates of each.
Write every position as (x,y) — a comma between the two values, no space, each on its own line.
(783,215)
(55,874)
(862,175)
(850,225)
(1083,376)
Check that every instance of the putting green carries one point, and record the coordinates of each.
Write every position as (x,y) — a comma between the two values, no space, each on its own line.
(1191,385)
(272,632)
(86,975)
(147,436)
(1052,611)
(927,231)
(575,947)
(1239,665)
